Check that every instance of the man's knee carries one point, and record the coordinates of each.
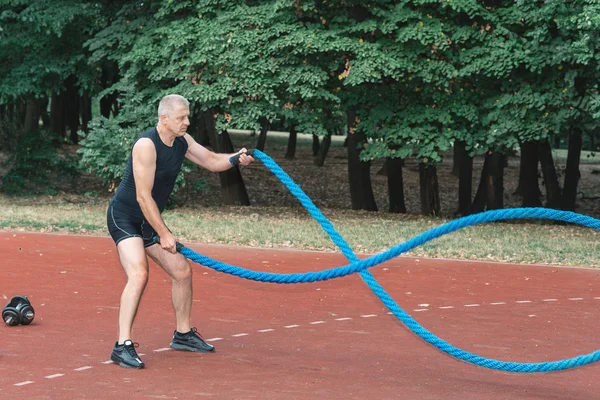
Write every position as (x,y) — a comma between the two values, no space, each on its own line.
(138,276)
(183,272)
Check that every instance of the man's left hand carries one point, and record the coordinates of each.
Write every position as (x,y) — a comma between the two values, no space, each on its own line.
(245,159)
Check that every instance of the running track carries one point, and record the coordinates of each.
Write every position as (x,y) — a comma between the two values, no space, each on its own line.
(328,340)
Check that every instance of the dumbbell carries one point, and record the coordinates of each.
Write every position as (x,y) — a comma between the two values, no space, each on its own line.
(18,311)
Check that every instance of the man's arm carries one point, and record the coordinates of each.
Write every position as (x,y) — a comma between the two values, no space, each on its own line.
(213,162)
(144,168)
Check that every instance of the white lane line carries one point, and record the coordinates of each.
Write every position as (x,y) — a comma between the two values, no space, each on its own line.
(576,298)
(161,349)
(214,339)
(83,368)
(522,301)
(239,335)
(291,326)
(344,319)
(368,315)
(472,305)
(265,330)
(498,303)
(54,376)
(596,298)
(550,300)
(23,383)
(107,362)
(445,307)
(141,354)
(316,322)
(421,309)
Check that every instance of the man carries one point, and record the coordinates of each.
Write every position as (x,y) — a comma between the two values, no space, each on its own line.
(134,219)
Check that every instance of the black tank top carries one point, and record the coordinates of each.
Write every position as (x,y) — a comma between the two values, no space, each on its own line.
(168,165)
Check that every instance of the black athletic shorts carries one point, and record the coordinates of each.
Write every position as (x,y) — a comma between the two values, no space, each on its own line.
(123,224)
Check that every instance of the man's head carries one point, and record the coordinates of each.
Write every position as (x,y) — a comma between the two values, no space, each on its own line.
(173,114)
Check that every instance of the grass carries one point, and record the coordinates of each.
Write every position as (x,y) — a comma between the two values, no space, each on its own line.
(366,233)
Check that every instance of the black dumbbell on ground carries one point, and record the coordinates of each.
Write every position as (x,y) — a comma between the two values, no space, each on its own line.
(18,311)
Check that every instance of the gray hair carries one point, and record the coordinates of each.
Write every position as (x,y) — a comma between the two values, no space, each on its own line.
(169,102)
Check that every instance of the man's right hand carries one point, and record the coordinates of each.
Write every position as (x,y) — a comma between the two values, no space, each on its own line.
(168,242)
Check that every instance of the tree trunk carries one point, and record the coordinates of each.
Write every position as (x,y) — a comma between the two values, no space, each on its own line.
(290,154)
(86,111)
(572,173)
(32,115)
(110,75)
(4,120)
(319,161)
(457,150)
(262,138)
(528,154)
(315,144)
(198,127)
(44,112)
(495,181)
(359,173)
(464,164)
(57,114)
(105,106)
(481,196)
(11,124)
(553,195)
(21,109)
(528,175)
(72,108)
(233,189)
(429,189)
(395,181)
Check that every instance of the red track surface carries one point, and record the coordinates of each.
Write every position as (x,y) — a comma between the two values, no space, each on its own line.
(74,284)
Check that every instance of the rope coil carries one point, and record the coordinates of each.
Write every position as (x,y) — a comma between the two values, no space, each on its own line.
(362,266)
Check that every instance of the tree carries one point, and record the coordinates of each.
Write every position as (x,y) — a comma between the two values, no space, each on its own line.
(42,57)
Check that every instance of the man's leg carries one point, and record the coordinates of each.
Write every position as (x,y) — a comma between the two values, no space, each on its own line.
(135,264)
(179,269)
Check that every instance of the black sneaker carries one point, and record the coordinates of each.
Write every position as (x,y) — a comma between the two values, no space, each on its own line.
(191,341)
(126,356)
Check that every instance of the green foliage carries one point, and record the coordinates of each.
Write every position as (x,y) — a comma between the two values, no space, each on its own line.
(105,149)
(36,165)
(486,73)
(247,63)
(200,185)
(418,74)
(41,45)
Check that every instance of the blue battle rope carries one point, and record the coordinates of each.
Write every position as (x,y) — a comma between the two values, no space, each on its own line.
(361,266)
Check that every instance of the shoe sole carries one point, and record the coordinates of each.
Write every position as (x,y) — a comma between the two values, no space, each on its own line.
(117,360)
(183,347)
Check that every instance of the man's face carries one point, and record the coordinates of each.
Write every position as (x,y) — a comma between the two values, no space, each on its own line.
(178,122)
